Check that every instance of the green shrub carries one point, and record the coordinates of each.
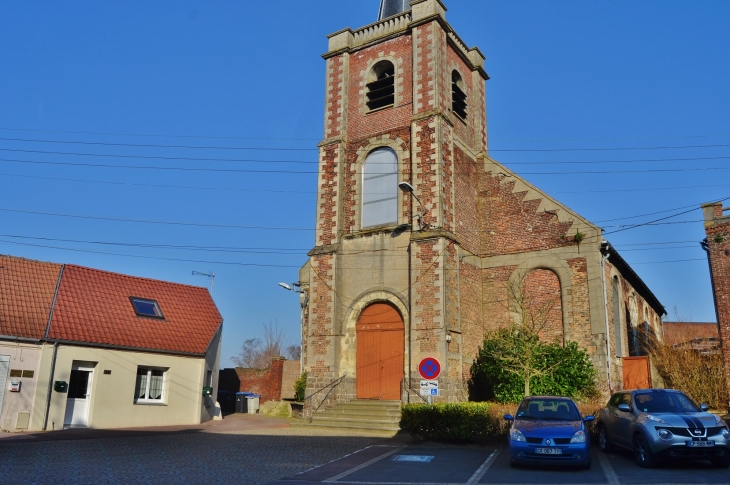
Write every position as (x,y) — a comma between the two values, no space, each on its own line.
(300,386)
(451,422)
(565,371)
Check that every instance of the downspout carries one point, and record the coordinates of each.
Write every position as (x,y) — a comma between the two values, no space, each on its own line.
(704,244)
(55,351)
(410,349)
(608,331)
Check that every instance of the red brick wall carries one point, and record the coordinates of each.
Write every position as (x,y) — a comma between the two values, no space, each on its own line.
(544,301)
(266,382)
(718,241)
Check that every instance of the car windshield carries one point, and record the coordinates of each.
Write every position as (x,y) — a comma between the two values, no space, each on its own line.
(548,409)
(664,402)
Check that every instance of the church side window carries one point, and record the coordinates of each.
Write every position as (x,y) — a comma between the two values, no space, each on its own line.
(458,96)
(381,86)
(380,188)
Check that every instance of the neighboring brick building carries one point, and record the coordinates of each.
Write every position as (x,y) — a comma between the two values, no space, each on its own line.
(717,245)
(677,333)
(395,277)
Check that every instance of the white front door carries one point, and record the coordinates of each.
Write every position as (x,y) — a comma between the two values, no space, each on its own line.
(4,367)
(79,394)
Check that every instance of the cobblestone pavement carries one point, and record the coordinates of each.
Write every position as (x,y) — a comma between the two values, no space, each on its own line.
(251,457)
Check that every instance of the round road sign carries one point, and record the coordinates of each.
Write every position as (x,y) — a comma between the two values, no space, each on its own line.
(429,368)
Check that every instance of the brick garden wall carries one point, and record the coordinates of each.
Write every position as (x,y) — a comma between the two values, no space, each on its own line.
(266,382)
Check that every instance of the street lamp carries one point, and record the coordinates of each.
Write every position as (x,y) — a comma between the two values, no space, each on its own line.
(297,288)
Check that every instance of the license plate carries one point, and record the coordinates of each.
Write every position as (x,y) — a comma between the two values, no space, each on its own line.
(700,444)
(548,451)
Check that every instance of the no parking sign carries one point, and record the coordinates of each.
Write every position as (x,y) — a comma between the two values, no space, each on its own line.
(429,368)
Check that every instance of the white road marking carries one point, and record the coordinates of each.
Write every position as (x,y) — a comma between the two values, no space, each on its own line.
(360,467)
(608,469)
(482,470)
(344,456)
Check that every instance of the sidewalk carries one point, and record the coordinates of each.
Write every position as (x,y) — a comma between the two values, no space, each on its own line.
(231,424)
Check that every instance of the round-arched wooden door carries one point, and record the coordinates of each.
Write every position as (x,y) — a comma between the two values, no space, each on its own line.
(380,344)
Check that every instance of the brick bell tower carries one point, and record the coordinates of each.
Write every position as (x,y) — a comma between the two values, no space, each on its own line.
(404,127)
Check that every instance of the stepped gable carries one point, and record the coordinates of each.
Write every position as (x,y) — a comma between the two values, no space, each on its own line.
(94,307)
(519,217)
(26,296)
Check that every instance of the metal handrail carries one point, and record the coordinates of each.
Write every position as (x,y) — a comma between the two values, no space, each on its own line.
(407,387)
(331,387)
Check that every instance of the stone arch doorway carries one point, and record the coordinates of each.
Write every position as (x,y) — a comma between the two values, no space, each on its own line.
(380,352)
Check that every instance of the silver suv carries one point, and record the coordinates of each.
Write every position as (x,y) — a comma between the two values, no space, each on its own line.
(659,423)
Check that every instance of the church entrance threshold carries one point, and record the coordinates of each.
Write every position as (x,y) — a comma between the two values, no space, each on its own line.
(380,344)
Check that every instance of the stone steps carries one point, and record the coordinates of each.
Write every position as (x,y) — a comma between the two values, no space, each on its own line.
(360,414)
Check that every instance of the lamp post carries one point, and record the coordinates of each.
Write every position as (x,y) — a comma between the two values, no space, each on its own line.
(407,188)
(296,288)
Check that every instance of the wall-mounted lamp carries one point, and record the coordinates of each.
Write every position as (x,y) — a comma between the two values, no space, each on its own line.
(407,188)
(449,338)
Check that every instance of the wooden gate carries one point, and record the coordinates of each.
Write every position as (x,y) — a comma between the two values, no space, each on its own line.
(637,373)
(380,344)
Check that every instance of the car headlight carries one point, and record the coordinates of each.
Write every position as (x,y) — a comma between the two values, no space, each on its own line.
(656,419)
(726,434)
(665,434)
(579,437)
(719,421)
(516,435)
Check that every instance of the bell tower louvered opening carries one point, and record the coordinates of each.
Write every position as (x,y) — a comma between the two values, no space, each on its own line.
(458,96)
(381,86)
(389,8)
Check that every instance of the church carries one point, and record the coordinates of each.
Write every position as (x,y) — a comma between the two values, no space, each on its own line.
(420,233)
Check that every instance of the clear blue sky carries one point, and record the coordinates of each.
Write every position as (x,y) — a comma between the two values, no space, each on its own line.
(565,75)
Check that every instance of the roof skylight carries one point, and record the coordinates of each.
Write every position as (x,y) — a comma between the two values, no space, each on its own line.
(146,308)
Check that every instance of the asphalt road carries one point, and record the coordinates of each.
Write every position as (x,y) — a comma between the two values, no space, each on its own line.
(394,464)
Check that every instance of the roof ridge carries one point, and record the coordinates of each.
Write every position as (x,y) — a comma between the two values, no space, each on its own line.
(136,277)
(20,258)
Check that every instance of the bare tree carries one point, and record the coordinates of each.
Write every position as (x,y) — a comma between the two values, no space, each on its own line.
(257,353)
(520,350)
(293,352)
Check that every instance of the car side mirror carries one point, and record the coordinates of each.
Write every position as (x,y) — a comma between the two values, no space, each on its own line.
(588,419)
(624,407)
(704,407)
(508,417)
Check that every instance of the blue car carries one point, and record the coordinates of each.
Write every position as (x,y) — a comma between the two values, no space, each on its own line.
(549,430)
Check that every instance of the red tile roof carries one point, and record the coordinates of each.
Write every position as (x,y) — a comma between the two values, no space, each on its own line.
(26,295)
(93,306)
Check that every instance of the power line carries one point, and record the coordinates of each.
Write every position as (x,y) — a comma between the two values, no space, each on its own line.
(607,149)
(153,145)
(312,192)
(146,221)
(155,135)
(312,162)
(314,172)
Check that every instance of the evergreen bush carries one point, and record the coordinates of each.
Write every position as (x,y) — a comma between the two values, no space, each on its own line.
(300,386)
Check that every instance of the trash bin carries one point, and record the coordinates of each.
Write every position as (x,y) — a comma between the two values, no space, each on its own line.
(253,403)
(242,402)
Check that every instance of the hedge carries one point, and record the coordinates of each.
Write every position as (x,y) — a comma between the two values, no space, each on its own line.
(468,422)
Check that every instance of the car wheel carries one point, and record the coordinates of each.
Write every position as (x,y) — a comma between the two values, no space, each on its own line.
(720,462)
(586,465)
(603,443)
(642,453)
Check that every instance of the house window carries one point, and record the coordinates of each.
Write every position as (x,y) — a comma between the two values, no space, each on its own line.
(381,86)
(458,96)
(380,188)
(149,385)
(146,308)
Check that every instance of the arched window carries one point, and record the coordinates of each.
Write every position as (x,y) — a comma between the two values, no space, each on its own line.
(458,95)
(617,319)
(380,188)
(380,86)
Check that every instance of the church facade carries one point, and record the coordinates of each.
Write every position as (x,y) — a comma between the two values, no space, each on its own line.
(421,234)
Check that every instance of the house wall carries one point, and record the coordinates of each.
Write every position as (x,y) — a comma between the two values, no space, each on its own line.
(112,395)
(21,357)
